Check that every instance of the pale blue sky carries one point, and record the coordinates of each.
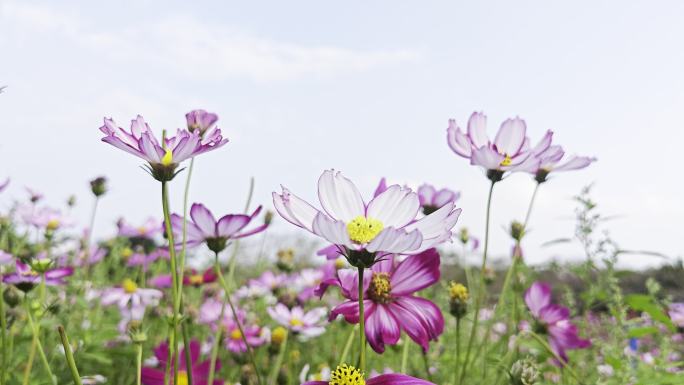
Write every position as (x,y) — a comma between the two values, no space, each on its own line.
(364,87)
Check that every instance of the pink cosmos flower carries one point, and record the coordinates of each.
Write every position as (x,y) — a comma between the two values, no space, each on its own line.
(254,334)
(200,369)
(204,228)
(149,229)
(387,224)
(507,152)
(130,293)
(546,158)
(47,218)
(163,157)
(553,320)
(350,375)
(25,278)
(200,120)
(389,300)
(432,199)
(306,324)
(191,278)
(145,260)
(676,312)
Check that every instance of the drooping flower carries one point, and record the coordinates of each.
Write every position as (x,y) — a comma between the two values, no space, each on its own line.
(507,152)
(26,277)
(553,320)
(546,158)
(387,224)
(389,300)
(204,228)
(349,375)
(306,324)
(200,120)
(165,156)
(199,369)
(432,199)
(130,293)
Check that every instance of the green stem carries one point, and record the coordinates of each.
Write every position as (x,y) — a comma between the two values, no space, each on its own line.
(138,362)
(36,336)
(229,301)
(29,363)
(174,278)
(3,336)
(89,239)
(215,347)
(457,359)
(547,347)
(404,354)
(480,294)
(426,362)
(273,376)
(347,345)
(362,326)
(70,356)
(186,344)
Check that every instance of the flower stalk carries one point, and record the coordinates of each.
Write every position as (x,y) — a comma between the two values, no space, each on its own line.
(362,326)
(70,356)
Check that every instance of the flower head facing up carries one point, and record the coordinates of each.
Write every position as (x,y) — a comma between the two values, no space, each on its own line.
(360,231)
(349,375)
(26,277)
(546,158)
(389,300)
(306,324)
(199,369)
(163,156)
(553,320)
(204,228)
(507,152)
(432,199)
(129,293)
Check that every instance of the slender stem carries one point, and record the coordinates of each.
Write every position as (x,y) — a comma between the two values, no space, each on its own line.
(480,294)
(70,356)
(3,336)
(36,336)
(362,326)
(186,344)
(273,376)
(347,345)
(529,208)
(426,362)
(547,347)
(138,362)
(457,360)
(174,279)
(89,239)
(404,354)
(29,363)
(227,294)
(215,347)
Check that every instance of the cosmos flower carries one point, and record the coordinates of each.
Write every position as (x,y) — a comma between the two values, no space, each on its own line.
(199,369)
(163,157)
(546,158)
(130,293)
(349,375)
(149,229)
(191,278)
(254,334)
(145,260)
(507,152)
(432,199)
(25,277)
(553,320)
(47,218)
(203,228)
(200,120)
(676,312)
(306,324)
(387,224)
(389,300)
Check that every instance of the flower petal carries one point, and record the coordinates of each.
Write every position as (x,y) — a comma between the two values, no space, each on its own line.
(537,297)
(395,207)
(294,209)
(339,197)
(511,136)
(332,230)
(204,219)
(381,328)
(415,273)
(477,129)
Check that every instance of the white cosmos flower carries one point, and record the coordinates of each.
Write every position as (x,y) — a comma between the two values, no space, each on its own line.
(387,224)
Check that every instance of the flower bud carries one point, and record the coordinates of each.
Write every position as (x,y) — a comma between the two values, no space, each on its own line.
(517,230)
(41,265)
(71,201)
(11,296)
(285,260)
(464,235)
(98,186)
(268,217)
(278,335)
(458,299)
(524,372)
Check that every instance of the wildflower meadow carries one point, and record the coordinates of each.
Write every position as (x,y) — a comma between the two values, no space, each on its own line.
(385,297)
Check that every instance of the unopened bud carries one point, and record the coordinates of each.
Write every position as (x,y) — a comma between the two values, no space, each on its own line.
(524,372)
(458,299)
(98,186)
(517,230)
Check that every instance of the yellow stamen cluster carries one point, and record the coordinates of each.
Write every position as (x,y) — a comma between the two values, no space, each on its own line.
(380,288)
(52,224)
(506,161)
(458,292)
(167,159)
(129,286)
(346,375)
(142,230)
(296,322)
(196,279)
(364,230)
(182,377)
(236,335)
(340,263)
(278,335)
(285,255)
(126,253)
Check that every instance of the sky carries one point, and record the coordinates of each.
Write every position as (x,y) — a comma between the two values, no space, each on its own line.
(363,87)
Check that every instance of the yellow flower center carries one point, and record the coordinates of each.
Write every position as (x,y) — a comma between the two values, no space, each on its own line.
(296,322)
(142,230)
(126,253)
(346,375)
(196,279)
(278,335)
(506,161)
(52,224)
(364,230)
(129,286)
(167,159)
(380,288)
(458,292)
(340,263)
(182,377)
(235,334)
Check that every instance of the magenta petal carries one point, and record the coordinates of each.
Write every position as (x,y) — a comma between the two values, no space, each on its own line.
(412,324)
(381,327)
(416,273)
(537,297)
(348,309)
(316,383)
(429,314)
(231,224)
(396,379)
(552,313)
(152,376)
(382,186)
